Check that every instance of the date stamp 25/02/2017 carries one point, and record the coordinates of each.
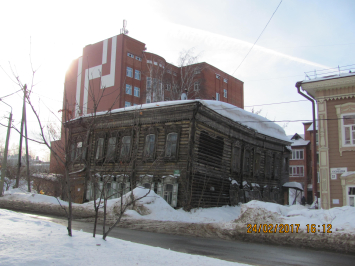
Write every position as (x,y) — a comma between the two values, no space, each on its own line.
(287,228)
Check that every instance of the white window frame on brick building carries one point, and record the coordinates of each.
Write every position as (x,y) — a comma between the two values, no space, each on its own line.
(149,62)
(218,76)
(149,83)
(225,93)
(129,72)
(129,89)
(136,92)
(137,74)
(296,170)
(130,55)
(217,96)
(196,86)
(127,104)
(225,80)
(138,58)
(297,154)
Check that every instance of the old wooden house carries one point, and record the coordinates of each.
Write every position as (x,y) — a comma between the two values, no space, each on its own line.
(194,153)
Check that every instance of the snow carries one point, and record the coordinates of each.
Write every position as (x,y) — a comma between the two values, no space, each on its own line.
(251,120)
(27,241)
(299,142)
(295,185)
(347,173)
(340,75)
(154,207)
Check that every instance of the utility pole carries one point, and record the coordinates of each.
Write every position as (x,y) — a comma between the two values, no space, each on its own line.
(26,142)
(4,162)
(21,134)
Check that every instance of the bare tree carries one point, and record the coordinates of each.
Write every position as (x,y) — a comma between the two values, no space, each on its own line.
(166,81)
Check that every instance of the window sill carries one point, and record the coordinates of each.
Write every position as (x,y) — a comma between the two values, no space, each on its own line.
(346,148)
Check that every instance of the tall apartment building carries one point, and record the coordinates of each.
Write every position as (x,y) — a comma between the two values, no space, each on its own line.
(118,72)
(121,70)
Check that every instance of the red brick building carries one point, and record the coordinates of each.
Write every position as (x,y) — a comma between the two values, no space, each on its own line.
(300,164)
(117,72)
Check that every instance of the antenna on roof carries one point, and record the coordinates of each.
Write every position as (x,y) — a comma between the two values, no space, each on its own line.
(124,30)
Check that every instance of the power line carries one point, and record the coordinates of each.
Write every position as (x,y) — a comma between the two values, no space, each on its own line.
(258,37)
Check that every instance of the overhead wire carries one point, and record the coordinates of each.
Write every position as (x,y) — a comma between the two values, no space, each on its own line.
(257,38)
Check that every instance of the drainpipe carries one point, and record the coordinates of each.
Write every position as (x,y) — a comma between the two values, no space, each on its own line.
(314,148)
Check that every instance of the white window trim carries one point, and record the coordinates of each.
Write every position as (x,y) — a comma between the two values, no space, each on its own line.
(348,196)
(129,70)
(225,80)
(130,55)
(137,74)
(218,76)
(149,62)
(138,58)
(297,150)
(130,89)
(135,90)
(217,96)
(294,166)
(127,104)
(225,93)
(343,131)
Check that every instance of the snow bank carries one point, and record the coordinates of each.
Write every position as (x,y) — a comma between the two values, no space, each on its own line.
(258,212)
(40,243)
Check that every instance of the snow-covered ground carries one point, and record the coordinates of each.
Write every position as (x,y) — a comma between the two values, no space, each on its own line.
(153,207)
(28,241)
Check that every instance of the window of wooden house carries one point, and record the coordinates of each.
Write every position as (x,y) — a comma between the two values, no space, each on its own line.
(111,148)
(246,168)
(149,146)
(236,159)
(168,193)
(147,185)
(257,160)
(125,147)
(100,149)
(277,163)
(267,165)
(348,129)
(171,145)
(72,152)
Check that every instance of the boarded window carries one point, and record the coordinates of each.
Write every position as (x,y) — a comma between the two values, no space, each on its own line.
(171,145)
(149,146)
(257,160)
(100,149)
(246,166)
(111,147)
(236,159)
(125,147)
(210,150)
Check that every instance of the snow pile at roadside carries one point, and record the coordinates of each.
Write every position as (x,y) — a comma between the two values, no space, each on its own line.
(154,207)
(27,241)
(258,212)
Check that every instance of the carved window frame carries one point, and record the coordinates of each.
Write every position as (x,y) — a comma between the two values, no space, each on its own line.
(98,137)
(109,135)
(267,167)
(341,111)
(125,133)
(169,130)
(247,160)
(147,132)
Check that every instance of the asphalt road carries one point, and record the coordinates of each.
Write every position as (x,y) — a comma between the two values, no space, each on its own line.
(238,251)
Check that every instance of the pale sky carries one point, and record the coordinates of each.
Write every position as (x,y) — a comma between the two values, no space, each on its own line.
(303,35)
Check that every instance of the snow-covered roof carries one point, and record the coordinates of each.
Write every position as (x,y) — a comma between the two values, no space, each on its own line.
(298,142)
(294,185)
(311,127)
(239,115)
(341,75)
